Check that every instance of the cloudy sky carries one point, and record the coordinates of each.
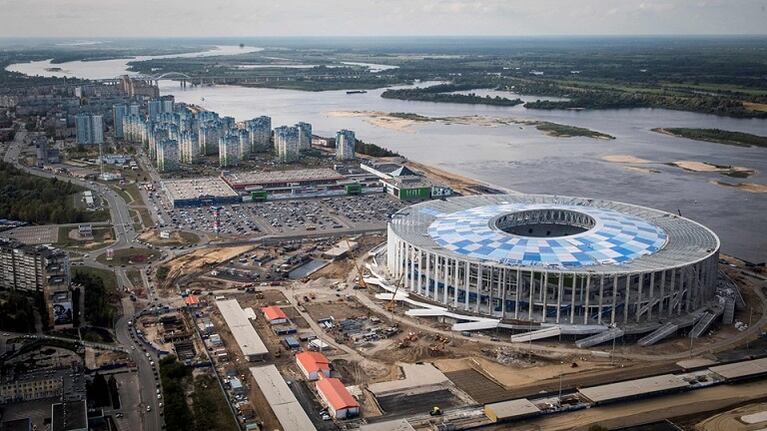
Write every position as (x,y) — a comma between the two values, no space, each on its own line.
(114,18)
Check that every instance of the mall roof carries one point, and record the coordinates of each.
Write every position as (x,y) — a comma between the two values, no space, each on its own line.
(194,188)
(254,178)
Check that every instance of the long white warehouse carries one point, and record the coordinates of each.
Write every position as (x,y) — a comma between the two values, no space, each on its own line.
(242,330)
(283,403)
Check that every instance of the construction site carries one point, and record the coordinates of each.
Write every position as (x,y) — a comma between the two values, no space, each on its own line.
(396,359)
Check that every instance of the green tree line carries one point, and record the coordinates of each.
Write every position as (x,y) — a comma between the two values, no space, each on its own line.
(39,200)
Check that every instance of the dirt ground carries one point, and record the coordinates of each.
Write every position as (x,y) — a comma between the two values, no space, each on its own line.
(336,270)
(340,269)
(649,410)
(295,317)
(512,376)
(199,259)
(733,420)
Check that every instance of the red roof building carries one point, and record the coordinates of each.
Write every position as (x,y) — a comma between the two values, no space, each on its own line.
(274,315)
(192,301)
(312,364)
(341,404)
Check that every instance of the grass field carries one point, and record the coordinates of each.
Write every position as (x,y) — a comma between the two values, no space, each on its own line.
(102,235)
(129,256)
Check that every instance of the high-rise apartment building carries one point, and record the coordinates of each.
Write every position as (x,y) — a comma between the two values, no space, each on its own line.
(32,268)
(229,150)
(286,143)
(244,143)
(119,112)
(167,155)
(89,129)
(304,136)
(260,129)
(345,142)
(189,147)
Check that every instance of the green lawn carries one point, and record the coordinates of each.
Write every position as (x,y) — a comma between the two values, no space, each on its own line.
(101,295)
(129,256)
(102,235)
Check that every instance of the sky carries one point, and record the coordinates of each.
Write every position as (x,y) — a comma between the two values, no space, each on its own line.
(202,18)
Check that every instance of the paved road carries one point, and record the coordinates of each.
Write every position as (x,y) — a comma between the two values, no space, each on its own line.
(126,237)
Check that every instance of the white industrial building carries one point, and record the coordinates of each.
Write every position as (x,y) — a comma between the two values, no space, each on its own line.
(244,333)
(283,403)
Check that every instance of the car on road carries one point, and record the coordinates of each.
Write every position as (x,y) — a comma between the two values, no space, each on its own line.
(149,408)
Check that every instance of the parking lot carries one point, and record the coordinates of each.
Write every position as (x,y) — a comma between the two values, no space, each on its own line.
(284,216)
(33,235)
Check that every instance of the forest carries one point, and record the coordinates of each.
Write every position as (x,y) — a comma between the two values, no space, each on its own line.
(40,200)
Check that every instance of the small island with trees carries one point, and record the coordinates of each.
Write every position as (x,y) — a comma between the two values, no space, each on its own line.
(717,136)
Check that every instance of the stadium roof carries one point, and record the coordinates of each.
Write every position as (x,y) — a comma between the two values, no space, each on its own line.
(623,237)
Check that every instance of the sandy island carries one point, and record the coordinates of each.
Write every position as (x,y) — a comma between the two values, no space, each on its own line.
(746,187)
(404,122)
(625,158)
(693,166)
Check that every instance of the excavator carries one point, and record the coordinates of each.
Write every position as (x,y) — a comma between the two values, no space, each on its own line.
(362,284)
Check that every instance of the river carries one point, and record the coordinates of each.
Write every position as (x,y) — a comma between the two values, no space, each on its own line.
(520,157)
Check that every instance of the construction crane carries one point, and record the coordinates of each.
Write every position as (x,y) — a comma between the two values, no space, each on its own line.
(392,304)
(361,283)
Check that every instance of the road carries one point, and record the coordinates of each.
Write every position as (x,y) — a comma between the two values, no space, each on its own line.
(126,237)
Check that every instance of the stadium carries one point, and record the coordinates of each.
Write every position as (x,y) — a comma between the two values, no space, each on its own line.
(557,260)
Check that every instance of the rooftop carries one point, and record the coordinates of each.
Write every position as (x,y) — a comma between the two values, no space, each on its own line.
(242,179)
(284,404)
(741,369)
(395,425)
(24,424)
(242,330)
(273,312)
(621,237)
(69,415)
(633,388)
(194,188)
(313,361)
(336,393)
(512,408)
